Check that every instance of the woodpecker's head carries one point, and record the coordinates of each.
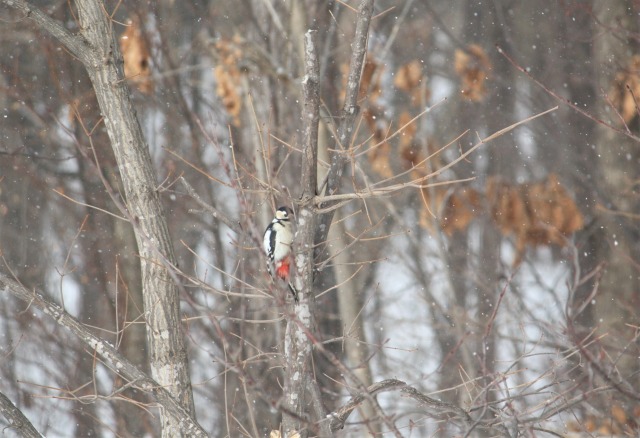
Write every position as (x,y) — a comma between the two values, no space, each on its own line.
(283,214)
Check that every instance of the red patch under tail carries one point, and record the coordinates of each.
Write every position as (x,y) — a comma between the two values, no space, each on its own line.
(282,268)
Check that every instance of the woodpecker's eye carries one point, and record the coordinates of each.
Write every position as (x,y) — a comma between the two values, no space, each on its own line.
(283,213)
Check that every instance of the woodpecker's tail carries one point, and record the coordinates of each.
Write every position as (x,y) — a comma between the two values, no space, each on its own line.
(283,272)
(270,268)
(294,292)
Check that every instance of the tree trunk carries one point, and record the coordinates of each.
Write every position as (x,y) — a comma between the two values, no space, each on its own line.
(297,336)
(616,305)
(97,48)
(167,354)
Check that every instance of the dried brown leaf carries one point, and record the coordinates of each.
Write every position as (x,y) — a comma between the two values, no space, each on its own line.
(535,214)
(590,424)
(370,81)
(473,67)
(229,53)
(626,85)
(618,414)
(227,85)
(408,76)
(408,133)
(460,209)
(379,159)
(410,79)
(135,51)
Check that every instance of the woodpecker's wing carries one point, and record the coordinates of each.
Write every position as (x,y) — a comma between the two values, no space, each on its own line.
(269,241)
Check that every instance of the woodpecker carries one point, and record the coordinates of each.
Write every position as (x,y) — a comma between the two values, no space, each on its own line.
(277,241)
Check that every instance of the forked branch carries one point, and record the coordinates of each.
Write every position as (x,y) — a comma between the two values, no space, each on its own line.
(434,408)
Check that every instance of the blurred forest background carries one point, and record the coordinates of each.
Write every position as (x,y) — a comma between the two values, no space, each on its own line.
(512,292)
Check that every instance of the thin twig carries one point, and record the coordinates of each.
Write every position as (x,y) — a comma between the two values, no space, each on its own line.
(58,192)
(234,225)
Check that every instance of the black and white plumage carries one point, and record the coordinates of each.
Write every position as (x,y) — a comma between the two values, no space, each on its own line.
(277,242)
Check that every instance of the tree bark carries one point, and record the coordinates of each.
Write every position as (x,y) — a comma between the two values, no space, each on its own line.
(615,310)
(167,353)
(16,419)
(313,228)
(298,341)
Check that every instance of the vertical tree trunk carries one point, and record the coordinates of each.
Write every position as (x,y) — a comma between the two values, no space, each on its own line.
(616,306)
(98,50)
(297,336)
(351,303)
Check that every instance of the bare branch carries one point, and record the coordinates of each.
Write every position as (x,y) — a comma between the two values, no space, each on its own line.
(58,192)
(417,183)
(435,408)
(107,353)
(76,44)
(311,117)
(350,111)
(18,422)
(235,226)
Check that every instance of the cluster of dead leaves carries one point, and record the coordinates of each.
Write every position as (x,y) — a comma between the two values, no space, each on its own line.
(369,81)
(473,67)
(380,151)
(135,51)
(380,148)
(409,79)
(625,90)
(471,64)
(534,214)
(459,209)
(228,77)
(620,423)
